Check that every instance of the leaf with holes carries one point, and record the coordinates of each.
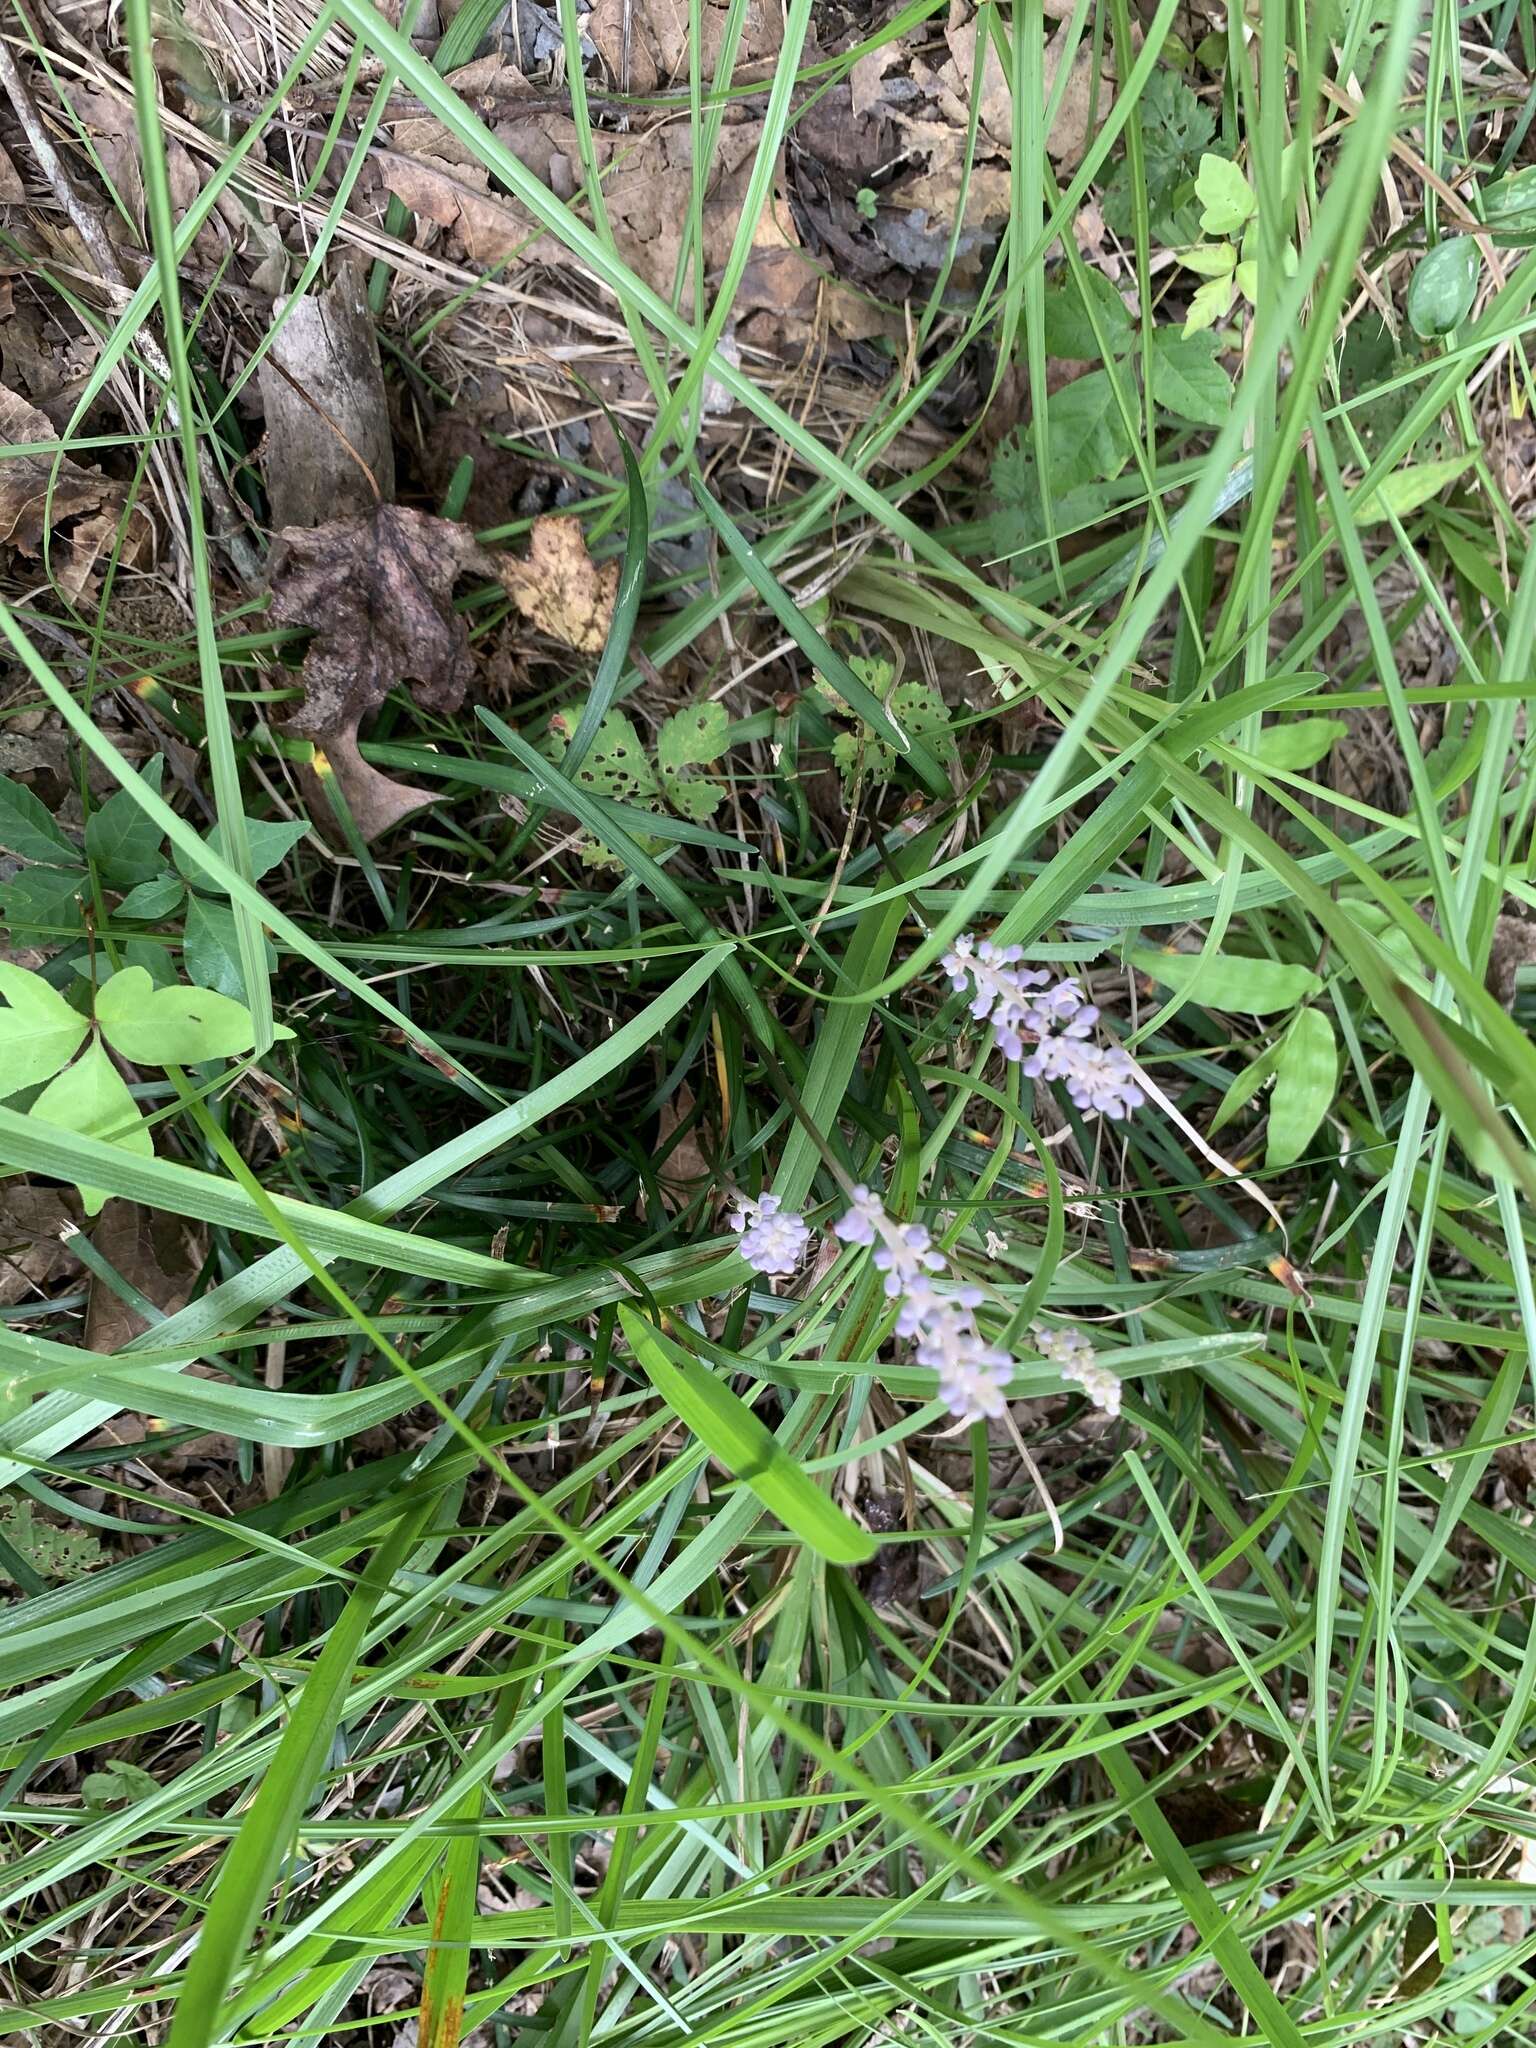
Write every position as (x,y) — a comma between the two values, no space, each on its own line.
(38,1029)
(1175,128)
(914,704)
(616,763)
(692,738)
(697,797)
(52,1552)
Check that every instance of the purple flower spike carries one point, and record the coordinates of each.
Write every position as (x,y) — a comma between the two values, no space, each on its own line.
(1049,1032)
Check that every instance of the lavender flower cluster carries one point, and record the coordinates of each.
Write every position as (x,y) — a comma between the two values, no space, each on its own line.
(1075,1359)
(938,1314)
(941,1319)
(773,1238)
(1044,1025)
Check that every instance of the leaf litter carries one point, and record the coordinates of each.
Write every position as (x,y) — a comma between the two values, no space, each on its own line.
(54,507)
(377,593)
(377,590)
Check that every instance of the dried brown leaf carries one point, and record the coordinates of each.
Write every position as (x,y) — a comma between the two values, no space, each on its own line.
(12,190)
(90,545)
(644,43)
(685,1169)
(108,122)
(996,95)
(1070,131)
(867,78)
(26,507)
(559,588)
(377,592)
(648,195)
(376,801)
(155,1253)
(42,494)
(490,230)
(647,189)
(1083,110)
(35,1224)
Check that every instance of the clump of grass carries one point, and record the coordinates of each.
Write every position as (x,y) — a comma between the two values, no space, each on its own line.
(495,1603)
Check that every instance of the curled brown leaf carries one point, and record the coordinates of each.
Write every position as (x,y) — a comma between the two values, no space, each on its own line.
(377,592)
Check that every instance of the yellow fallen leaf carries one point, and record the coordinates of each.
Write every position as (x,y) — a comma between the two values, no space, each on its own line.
(559,588)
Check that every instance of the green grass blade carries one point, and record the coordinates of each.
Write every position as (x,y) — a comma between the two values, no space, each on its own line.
(721,1421)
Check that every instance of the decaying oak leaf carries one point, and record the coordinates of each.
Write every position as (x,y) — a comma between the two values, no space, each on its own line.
(377,592)
(559,588)
(1083,107)
(35,1228)
(50,503)
(491,230)
(647,190)
(645,43)
(159,1255)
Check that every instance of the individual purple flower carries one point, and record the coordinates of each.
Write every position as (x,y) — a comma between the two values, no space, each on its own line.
(999,985)
(918,1302)
(1098,1078)
(1109,1088)
(773,1238)
(861,1220)
(1061,1008)
(904,1252)
(906,1257)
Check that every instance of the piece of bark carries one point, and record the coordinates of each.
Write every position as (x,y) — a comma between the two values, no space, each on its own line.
(329,451)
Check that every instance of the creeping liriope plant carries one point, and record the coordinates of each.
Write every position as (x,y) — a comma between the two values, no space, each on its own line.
(1046,1026)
